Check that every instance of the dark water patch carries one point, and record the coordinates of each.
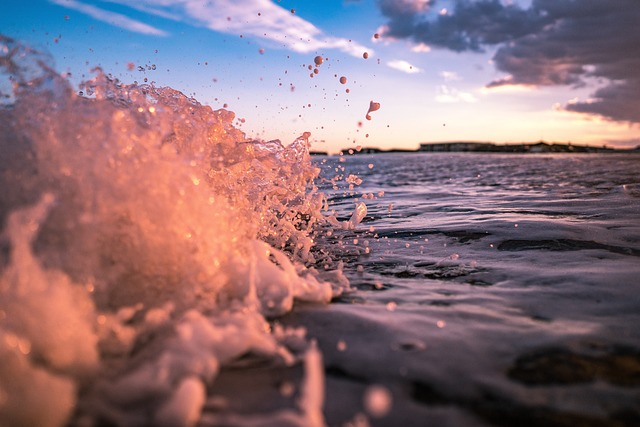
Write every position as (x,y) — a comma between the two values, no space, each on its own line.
(422,264)
(448,272)
(382,267)
(404,234)
(427,394)
(464,236)
(410,346)
(439,303)
(618,365)
(551,214)
(505,413)
(348,299)
(452,209)
(479,282)
(375,286)
(434,271)
(339,372)
(563,245)
(540,318)
(347,216)
(405,274)
(340,197)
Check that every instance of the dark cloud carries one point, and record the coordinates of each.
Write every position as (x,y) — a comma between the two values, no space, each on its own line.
(553,42)
(474,24)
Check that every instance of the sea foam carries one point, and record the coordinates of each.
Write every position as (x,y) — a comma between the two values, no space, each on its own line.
(146,242)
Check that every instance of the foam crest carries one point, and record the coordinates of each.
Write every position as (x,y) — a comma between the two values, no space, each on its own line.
(145,241)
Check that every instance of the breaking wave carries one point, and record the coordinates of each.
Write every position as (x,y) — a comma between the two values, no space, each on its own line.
(146,243)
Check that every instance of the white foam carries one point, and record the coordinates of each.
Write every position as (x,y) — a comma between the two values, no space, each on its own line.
(358,215)
(148,240)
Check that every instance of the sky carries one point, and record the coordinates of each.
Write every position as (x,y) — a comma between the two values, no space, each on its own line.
(441,70)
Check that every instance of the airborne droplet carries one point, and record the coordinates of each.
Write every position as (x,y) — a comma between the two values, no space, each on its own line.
(373,106)
(378,400)
(365,55)
(343,80)
(318,60)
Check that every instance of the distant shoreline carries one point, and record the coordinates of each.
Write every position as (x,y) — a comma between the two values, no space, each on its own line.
(489,147)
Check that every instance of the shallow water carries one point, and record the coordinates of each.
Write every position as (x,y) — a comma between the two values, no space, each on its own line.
(498,290)
(159,267)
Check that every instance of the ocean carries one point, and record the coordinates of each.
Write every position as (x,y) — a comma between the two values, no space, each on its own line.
(497,289)
(160,267)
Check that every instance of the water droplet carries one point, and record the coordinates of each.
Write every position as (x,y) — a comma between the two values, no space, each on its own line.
(373,106)
(377,400)
(287,389)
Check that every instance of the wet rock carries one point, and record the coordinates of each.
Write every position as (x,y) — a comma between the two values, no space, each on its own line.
(619,365)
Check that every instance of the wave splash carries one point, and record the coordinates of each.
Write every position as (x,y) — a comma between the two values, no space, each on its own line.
(146,242)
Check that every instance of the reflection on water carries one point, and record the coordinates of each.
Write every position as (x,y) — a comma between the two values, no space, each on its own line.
(499,290)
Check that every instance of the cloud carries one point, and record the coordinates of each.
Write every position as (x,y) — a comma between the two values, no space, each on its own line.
(421,48)
(469,26)
(260,19)
(404,66)
(449,76)
(552,42)
(111,18)
(449,95)
(624,143)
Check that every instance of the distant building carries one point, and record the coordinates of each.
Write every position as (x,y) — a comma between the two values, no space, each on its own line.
(457,146)
(362,150)
(487,147)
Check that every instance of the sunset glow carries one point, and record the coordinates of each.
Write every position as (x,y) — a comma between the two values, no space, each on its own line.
(439,70)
